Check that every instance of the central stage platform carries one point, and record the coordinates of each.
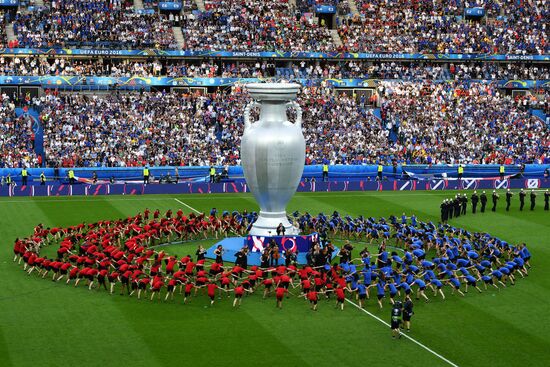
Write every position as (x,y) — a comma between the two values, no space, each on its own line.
(256,245)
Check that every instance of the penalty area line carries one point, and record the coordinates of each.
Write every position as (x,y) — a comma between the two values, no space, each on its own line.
(405,335)
(190,207)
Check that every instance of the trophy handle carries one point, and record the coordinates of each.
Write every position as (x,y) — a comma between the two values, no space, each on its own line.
(298,109)
(247,123)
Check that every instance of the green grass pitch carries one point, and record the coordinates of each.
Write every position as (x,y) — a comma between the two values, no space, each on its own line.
(51,324)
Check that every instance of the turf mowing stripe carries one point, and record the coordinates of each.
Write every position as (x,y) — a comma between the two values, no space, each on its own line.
(405,335)
(228,196)
(190,207)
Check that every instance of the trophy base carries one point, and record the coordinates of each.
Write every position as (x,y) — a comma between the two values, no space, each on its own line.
(267,223)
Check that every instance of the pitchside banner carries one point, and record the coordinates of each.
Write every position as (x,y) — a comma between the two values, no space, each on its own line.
(241,187)
(268,54)
(137,82)
(285,243)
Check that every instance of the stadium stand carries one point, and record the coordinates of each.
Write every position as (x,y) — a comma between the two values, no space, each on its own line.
(419,122)
(98,24)
(412,109)
(516,27)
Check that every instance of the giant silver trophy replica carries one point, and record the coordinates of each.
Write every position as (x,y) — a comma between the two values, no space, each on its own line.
(272,154)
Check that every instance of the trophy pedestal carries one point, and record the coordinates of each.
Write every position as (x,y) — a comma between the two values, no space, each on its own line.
(267,223)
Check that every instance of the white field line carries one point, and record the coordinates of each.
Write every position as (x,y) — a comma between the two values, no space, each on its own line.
(405,335)
(190,207)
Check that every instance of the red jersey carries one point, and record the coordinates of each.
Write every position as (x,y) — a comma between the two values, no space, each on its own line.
(280,292)
(312,296)
(340,294)
(189,287)
(211,287)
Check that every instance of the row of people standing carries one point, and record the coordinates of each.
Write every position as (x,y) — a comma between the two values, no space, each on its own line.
(456,206)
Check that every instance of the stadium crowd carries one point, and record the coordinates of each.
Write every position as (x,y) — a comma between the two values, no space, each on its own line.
(419,122)
(510,27)
(100,24)
(120,255)
(16,137)
(208,68)
(254,26)
(454,123)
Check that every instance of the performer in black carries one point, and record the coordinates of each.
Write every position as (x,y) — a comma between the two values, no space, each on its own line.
(509,195)
(456,205)
(443,208)
(407,313)
(450,209)
(464,203)
(546,198)
(483,199)
(396,320)
(495,200)
(522,196)
(533,198)
(475,199)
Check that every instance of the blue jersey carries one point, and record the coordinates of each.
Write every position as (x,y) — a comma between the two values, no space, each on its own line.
(427,264)
(519,261)
(436,282)
(429,275)
(393,289)
(455,282)
(451,266)
(367,276)
(405,286)
(470,279)
(418,253)
(486,263)
(462,262)
(361,289)
(420,283)
(380,288)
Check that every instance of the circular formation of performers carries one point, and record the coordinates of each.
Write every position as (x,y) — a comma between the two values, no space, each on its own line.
(456,206)
(121,256)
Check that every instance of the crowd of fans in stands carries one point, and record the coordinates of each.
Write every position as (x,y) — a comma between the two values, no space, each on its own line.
(509,27)
(254,26)
(40,65)
(16,137)
(108,24)
(451,123)
(420,122)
